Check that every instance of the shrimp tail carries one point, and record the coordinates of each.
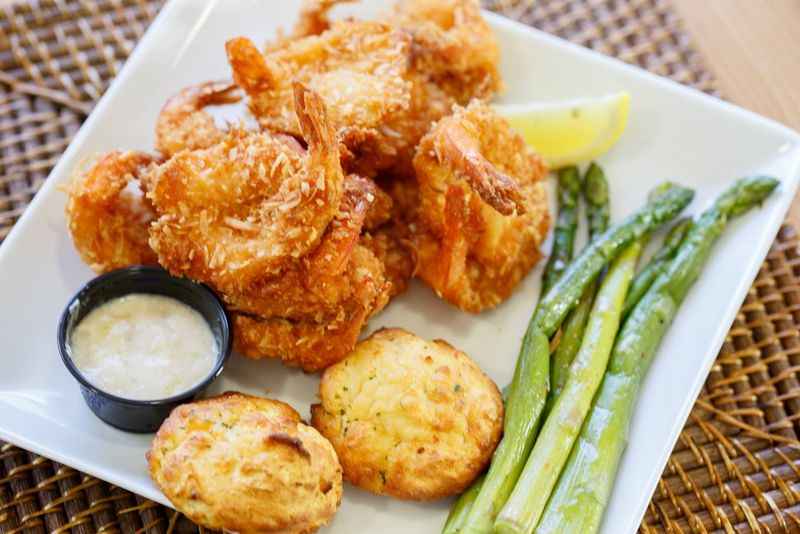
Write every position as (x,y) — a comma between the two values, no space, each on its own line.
(216,93)
(183,122)
(495,187)
(317,130)
(250,69)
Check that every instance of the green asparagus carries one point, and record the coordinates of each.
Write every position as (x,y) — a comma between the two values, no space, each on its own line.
(595,193)
(584,487)
(658,263)
(524,507)
(566,292)
(569,187)
(526,396)
(526,399)
(568,345)
(458,513)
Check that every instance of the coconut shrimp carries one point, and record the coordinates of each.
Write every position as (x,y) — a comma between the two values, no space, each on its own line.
(356,67)
(483,211)
(184,124)
(452,46)
(309,345)
(316,285)
(107,213)
(313,19)
(246,207)
(392,246)
(454,58)
(314,344)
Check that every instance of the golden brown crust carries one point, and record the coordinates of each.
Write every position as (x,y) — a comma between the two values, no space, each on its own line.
(471,166)
(318,283)
(109,222)
(315,342)
(246,464)
(246,207)
(313,18)
(409,418)
(356,66)
(285,223)
(183,123)
(394,250)
(452,46)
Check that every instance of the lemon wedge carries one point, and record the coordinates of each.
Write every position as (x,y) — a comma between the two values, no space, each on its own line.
(570,131)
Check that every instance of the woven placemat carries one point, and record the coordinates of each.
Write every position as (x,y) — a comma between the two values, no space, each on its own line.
(736,466)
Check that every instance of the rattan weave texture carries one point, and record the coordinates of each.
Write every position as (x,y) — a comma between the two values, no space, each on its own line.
(736,467)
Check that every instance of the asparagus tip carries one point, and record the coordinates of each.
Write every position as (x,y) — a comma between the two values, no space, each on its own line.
(746,193)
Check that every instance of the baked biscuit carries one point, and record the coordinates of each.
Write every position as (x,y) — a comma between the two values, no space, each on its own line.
(246,464)
(409,418)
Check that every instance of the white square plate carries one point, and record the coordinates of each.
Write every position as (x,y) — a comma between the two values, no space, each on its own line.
(674,133)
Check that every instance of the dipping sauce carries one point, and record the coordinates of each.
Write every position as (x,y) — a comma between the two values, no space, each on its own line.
(143,347)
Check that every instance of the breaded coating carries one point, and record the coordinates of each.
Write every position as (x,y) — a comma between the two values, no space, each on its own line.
(356,67)
(313,18)
(452,45)
(246,464)
(316,284)
(184,124)
(308,220)
(391,246)
(315,341)
(242,209)
(107,213)
(483,209)
(380,209)
(409,418)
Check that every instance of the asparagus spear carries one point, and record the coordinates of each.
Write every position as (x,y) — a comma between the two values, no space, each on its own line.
(584,487)
(526,399)
(595,192)
(458,513)
(571,337)
(569,187)
(526,503)
(528,390)
(658,263)
(566,292)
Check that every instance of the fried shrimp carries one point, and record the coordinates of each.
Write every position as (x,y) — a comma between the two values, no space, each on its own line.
(246,207)
(313,18)
(107,214)
(452,45)
(356,67)
(315,343)
(459,145)
(314,287)
(183,123)
(395,252)
(471,167)
(309,345)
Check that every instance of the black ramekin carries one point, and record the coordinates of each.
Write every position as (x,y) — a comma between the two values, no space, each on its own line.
(141,415)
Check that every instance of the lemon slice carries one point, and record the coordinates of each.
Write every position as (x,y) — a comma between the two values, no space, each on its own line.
(570,131)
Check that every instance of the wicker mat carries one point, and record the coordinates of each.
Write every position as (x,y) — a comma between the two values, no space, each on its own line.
(736,467)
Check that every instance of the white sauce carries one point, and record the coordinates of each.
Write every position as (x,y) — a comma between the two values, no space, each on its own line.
(143,347)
